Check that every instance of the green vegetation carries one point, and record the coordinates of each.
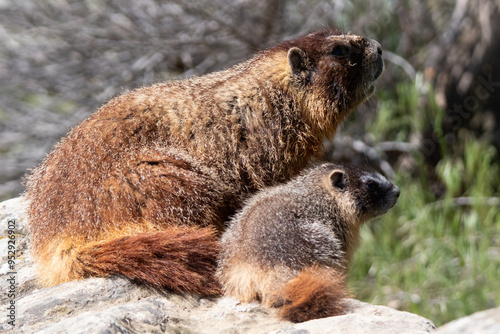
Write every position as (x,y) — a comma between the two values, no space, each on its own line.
(437,252)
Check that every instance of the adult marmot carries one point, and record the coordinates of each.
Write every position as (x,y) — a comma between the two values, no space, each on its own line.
(143,187)
(291,245)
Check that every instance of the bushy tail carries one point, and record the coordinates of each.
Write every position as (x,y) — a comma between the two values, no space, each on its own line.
(180,259)
(315,293)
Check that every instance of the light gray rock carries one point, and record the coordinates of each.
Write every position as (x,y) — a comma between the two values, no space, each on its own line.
(12,223)
(484,322)
(364,318)
(12,228)
(116,305)
(12,210)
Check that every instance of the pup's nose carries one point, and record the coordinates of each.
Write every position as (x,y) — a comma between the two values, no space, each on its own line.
(397,192)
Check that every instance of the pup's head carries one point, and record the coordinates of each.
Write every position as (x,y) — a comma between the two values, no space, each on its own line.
(365,193)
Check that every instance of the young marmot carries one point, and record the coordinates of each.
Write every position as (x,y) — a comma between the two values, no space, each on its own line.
(144,186)
(291,245)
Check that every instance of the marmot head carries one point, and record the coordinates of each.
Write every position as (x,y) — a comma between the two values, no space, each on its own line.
(366,193)
(334,67)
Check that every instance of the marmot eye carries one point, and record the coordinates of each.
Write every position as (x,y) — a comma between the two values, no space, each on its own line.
(372,186)
(340,51)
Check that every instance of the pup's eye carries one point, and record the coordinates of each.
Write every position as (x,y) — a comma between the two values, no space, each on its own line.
(372,186)
(340,51)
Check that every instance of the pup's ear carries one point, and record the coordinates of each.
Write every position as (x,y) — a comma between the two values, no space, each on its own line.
(338,179)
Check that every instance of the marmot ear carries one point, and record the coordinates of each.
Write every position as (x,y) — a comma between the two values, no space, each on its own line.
(338,179)
(298,61)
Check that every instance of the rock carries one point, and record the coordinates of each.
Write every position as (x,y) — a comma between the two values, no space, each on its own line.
(111,305)
(365,318)
(484,322)
(13,234)
(117,305)
(12,228)
(12,210)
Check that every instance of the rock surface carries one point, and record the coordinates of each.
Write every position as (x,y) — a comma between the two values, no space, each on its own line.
(484,322)
(116,305)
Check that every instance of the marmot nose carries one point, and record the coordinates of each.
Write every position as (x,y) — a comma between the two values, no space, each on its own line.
(375,47)
(374,57)
(397,192)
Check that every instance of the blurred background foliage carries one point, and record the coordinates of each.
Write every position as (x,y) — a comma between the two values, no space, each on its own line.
(434,127)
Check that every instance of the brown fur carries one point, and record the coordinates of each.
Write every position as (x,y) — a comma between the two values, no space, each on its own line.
(291,245)
(187,153)
(315,293)
(177,258)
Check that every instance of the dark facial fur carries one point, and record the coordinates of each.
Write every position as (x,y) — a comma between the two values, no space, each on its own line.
(331,64)
(373,194)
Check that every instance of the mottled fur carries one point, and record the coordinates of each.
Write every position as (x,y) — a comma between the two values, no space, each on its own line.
(291,245)
(187,153)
